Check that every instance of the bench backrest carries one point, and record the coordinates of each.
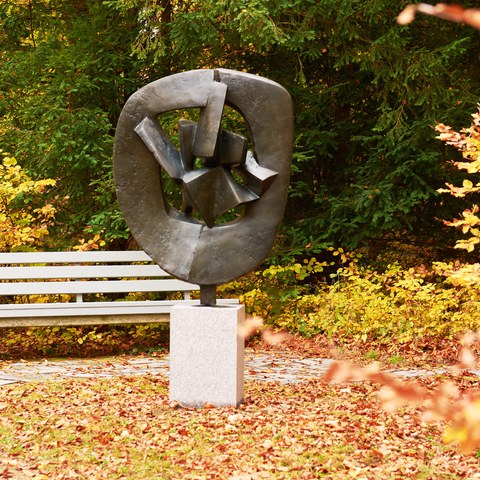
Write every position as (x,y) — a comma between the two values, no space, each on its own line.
(79,273)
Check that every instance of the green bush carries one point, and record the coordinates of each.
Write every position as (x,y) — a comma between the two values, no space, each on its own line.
(363,304)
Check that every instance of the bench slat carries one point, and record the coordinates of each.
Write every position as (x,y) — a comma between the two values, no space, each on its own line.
(86,308)
(82,320)
(81,271)
(97,308)
(7,258)
(80,287)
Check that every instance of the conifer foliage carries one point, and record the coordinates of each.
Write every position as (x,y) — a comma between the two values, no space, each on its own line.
(366,91)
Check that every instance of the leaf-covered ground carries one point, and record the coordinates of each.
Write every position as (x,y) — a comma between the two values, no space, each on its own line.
(125,428)
(423,352)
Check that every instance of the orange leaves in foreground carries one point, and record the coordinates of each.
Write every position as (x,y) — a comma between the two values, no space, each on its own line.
(454,13)
(252,325)
(398,392)
(467,142)
(462,413)
(445,403)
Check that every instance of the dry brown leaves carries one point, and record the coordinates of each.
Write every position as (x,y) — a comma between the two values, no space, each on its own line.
(125,428)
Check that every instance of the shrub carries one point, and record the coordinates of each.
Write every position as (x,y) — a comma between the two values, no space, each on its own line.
(81,341)
(25,214)
(467,141)
(394,305)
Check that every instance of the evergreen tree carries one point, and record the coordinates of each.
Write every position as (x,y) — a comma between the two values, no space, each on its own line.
(66,71)
(366,90)
(367,93)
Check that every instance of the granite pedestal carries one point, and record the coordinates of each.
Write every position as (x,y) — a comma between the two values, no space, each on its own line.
(206,355)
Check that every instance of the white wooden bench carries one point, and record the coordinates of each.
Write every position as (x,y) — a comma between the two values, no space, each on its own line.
(80,273)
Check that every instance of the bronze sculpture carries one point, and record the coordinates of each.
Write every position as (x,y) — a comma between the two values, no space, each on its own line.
(199,250)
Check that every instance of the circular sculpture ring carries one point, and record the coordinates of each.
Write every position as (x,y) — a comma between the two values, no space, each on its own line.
(193,250)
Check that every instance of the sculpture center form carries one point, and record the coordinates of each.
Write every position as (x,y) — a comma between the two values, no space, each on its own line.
(211,190)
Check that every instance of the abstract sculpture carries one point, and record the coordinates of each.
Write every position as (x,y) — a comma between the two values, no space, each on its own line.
(200,249)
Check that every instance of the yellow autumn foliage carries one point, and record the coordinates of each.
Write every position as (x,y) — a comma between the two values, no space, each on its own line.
(467,141)
(25,215)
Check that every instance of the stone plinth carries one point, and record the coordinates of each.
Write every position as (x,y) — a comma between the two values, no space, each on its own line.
(206,355)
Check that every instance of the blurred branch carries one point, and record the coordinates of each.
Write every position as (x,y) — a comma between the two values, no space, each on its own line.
(453,13)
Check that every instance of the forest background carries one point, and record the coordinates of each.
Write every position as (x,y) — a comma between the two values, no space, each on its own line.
(363,253)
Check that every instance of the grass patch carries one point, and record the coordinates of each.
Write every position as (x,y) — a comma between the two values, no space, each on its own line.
(396,360)
(372,355)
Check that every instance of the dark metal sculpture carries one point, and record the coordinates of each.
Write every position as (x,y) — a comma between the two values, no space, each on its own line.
(199,250)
